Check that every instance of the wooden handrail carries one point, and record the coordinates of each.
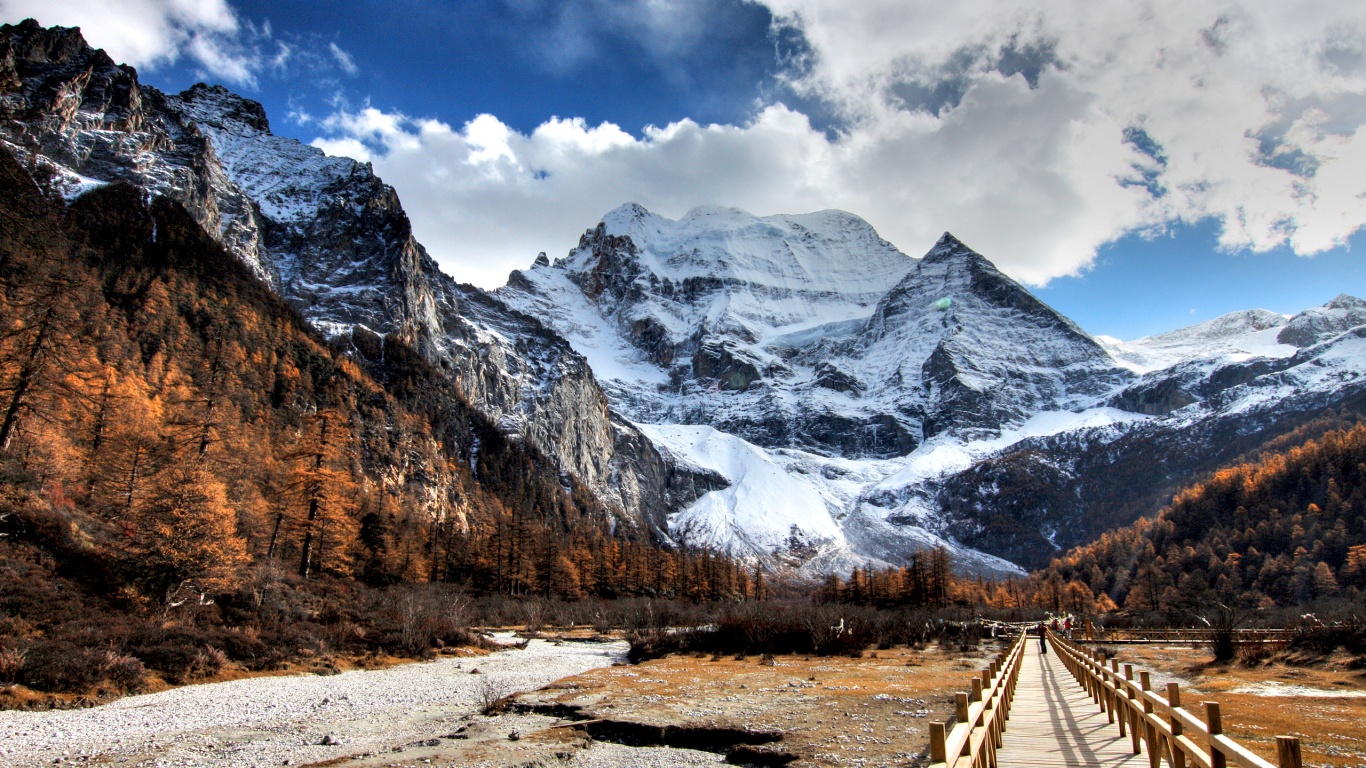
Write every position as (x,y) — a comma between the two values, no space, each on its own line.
(1187,636)
(1162,723)
(981,715)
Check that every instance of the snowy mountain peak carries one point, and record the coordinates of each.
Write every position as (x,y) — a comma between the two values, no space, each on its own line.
(830,252)
(1233,337)
(948,247)
(1319,324)
(216,105)
(1345,301)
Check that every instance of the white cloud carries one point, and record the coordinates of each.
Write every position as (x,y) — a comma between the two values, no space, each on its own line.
(1233,91)
(344,60)
(1128,116)
(485,198)
(146,33)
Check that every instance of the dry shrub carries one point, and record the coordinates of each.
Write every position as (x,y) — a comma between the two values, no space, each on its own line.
(492,696)
(62,666)
(11,662)
(127,673)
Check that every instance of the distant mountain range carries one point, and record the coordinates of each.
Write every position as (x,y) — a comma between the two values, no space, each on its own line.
(791,388)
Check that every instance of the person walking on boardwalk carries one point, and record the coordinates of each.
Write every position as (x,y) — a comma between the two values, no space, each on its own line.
(1043,638)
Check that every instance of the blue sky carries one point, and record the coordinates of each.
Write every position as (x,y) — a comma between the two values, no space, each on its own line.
(1142,166)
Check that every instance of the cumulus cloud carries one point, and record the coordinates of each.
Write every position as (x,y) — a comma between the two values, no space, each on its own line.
(485,198)
(1037,134)
(1251,108)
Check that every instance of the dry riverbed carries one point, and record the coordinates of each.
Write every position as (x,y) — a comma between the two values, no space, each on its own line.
(568,703)
(272,721)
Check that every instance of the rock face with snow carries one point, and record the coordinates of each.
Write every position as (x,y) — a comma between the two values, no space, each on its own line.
(1322,323)
(1030,500)
(330,237)
(710,319)
(863,404)
(977,349)
(807,332)
(795,345)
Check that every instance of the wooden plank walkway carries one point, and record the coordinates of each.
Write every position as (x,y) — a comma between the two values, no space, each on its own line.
(1054,723)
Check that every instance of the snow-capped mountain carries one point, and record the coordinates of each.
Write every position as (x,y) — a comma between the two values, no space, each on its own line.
(789,387)
(807,332)
(800,357)
(854,427)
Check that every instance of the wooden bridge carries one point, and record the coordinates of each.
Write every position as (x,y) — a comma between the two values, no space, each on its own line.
(1067,708)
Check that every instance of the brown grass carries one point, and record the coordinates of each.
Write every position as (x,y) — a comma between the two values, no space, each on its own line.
(1332,731)
(831,710)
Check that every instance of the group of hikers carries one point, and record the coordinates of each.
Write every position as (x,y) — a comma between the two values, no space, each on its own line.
(1065,626)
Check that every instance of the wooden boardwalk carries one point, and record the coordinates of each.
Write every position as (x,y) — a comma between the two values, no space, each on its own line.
(1054,723)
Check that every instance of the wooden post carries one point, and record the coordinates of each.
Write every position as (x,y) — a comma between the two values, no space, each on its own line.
(1215,723)
(960,701)
(1288,752)
(939,748)
(1149,730)
(1178,757)
(1107,702)
(1135,736)
(1119,700)
(976,692)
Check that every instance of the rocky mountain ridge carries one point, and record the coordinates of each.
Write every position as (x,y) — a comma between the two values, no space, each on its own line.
(330,237)
(807,332)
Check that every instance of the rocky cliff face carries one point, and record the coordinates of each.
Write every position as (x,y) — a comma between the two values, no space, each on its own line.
(977,349)
(330,237)
(704,321)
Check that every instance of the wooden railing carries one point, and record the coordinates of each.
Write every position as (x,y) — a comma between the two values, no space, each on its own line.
(1169,731)
(981,716)
(1195,635)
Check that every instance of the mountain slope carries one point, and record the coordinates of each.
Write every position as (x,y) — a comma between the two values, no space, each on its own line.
(329,237)
(807,332)
(1287,528)
(807,393)
(815,354)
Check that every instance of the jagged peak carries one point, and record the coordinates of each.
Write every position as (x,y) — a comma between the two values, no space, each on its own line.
(627,210)
(53,44)
(215,101)
(948,248)
(1345,301)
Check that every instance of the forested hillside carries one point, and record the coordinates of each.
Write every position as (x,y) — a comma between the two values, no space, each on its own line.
(1285,529)
(185,464)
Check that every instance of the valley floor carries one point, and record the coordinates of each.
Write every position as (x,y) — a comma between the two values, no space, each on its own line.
(575,704)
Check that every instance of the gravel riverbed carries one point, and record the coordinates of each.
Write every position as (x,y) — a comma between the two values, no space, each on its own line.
(272,721)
